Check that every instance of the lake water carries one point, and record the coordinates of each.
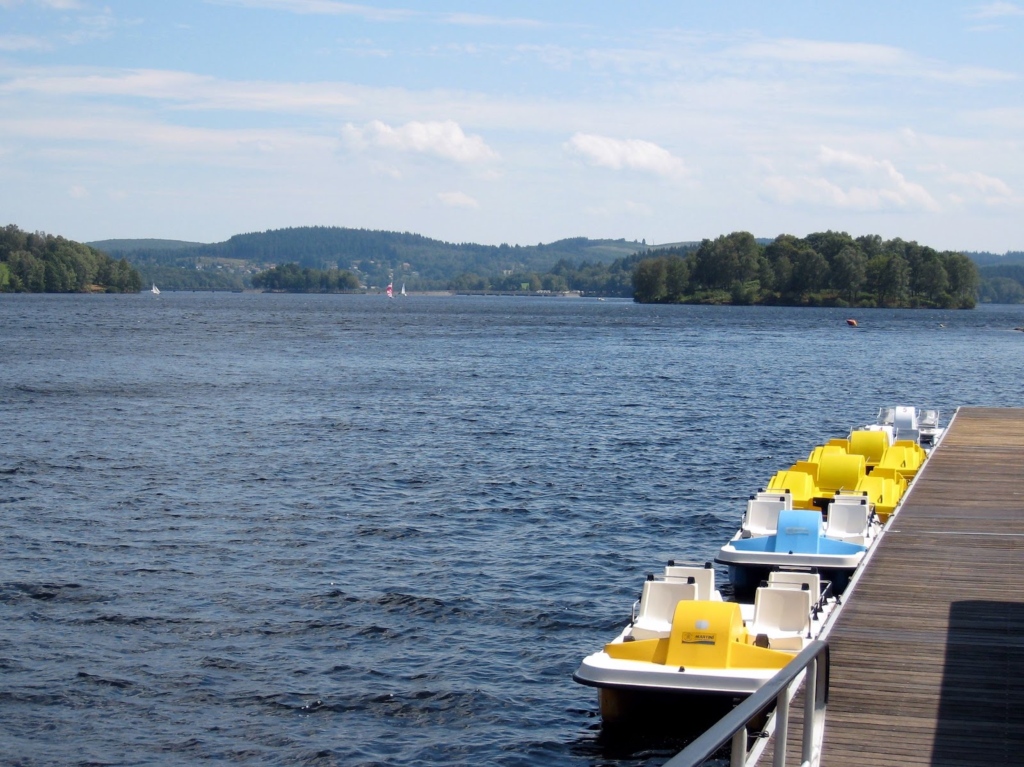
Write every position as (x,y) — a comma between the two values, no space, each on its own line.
(343,530)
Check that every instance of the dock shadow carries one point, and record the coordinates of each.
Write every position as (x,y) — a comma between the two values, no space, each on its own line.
(981,705)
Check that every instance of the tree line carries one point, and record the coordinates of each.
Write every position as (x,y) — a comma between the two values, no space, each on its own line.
(821,269)
(374,256)
(36,262)
(292,278)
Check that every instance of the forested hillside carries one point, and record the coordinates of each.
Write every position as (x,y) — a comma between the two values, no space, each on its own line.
(822,269)
(43,263)
(374,256)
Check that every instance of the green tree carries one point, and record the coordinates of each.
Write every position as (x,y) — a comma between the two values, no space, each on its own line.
(677,278)
(40,262)
(930,279)
(730,258)
(888,277)
(810,273)
(849,272)
(650,280)
(963,279)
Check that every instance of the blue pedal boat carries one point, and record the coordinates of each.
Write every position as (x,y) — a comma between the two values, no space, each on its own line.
(799,541)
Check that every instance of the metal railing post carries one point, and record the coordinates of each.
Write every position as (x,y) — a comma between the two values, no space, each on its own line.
(781,728)
(811,666)
(738,757)
(810,711)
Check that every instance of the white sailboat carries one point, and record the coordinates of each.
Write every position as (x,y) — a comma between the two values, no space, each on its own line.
(403,288)
(155,290)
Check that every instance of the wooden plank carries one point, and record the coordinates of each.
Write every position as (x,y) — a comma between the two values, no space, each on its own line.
(928,654)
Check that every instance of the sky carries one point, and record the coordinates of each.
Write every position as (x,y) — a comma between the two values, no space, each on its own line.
(515,122)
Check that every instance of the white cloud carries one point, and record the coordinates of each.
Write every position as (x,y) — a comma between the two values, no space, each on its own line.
(625,154)
(78,192)
(850,181)
(325,8)
(22,43)
(57,5)
(981,183)
(883,60)
(189,90)
(818,52)
(477,20)
(997,10)
(124,135)
(441,139)
(458,200)
(370,13)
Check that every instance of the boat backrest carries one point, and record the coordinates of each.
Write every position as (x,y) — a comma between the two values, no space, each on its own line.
(800,485)
(884,492)
(809,468)
(870,443)
(799,531)
(762,515)
(905,423)
(796,579)
(816,454)
(784,496)
(896,457)
(838,471)
(704,634)
(914,449)
(703,577)
(848,517)
(782,610)
(928,419)
(658,602)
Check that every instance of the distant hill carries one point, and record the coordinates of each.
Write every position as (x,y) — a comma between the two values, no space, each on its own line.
(984,258)
(112,247)
(1002,276)
(374,256)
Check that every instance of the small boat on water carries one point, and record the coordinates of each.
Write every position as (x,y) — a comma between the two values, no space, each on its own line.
(834,548)
(678,647)
(155,290)
(801,540)
(827,511)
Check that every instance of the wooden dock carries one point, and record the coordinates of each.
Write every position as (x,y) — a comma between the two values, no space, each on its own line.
(928,653)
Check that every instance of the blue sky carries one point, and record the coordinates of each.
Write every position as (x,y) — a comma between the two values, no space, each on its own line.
(518,122)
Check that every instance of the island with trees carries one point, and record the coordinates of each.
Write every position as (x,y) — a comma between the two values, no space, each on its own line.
(821,269)
(43,263)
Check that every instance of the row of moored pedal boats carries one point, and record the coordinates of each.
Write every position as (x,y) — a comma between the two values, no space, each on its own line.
(800,540)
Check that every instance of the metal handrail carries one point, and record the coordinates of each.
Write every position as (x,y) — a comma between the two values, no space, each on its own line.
(812,664)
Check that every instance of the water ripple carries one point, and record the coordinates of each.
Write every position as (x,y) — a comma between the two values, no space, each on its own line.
(336,530)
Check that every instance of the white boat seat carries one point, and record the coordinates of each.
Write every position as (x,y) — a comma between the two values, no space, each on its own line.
(905,423)
(762,516)
(783,616)
(704,577)
(849,519)
(796,579)
(784,495)
(658,602)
